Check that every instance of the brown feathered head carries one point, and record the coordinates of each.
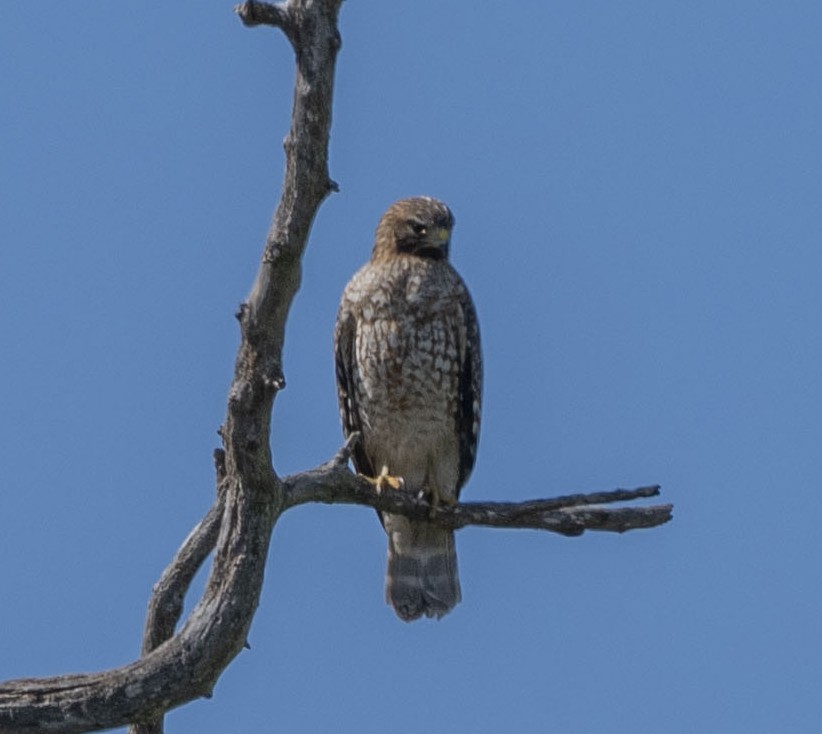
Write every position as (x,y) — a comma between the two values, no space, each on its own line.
(417,226)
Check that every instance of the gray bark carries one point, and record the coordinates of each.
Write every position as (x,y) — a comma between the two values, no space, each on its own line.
(177,669)
(333,483)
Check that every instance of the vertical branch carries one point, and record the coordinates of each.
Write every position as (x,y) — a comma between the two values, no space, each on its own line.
(254,496)
(187,665)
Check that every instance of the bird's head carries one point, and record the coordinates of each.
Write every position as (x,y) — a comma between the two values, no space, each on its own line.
(418,226)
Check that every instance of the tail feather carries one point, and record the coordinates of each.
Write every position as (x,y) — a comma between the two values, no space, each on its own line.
(422,577)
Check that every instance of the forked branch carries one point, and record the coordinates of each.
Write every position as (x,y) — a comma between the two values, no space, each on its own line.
(185,666)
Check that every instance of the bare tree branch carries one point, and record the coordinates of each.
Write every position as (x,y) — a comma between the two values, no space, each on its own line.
(188,664)
(334,483)
(569,515)
(274,14)
(165,607)
(166,604)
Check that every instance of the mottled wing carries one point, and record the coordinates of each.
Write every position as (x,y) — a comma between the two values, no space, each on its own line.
(345,335)
(469,399)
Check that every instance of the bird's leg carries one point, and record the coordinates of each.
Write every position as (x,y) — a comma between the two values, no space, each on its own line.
(385,480)
(437,498)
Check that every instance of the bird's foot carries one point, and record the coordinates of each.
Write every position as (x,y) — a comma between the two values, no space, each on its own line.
(385,481)
(437,498)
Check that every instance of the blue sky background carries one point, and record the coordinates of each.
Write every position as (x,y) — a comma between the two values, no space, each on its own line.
(638,195)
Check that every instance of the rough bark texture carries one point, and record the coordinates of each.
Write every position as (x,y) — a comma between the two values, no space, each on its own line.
(178,667)
(186,665)
(333,483)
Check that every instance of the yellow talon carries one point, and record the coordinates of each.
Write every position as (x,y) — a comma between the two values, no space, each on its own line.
(385,480)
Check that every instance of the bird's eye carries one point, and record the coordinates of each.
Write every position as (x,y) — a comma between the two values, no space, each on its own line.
(418,228)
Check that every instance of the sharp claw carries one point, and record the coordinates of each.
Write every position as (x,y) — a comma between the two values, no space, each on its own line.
(385,480)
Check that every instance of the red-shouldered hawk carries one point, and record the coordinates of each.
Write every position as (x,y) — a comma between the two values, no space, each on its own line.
(409,379)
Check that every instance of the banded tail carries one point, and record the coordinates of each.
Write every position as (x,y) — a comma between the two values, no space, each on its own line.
(422,577)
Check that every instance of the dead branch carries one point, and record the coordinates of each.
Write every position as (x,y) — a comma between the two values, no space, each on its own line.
(334,483)
(187,665)
(166,603)
(568,515)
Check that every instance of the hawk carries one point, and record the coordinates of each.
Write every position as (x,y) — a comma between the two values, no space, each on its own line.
(409,379)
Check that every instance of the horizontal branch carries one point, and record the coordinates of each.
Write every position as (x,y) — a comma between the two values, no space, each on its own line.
(334,483)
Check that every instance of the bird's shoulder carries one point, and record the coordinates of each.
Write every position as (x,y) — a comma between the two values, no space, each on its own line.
(405,279)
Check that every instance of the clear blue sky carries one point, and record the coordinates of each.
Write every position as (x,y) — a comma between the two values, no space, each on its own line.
(638,195)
